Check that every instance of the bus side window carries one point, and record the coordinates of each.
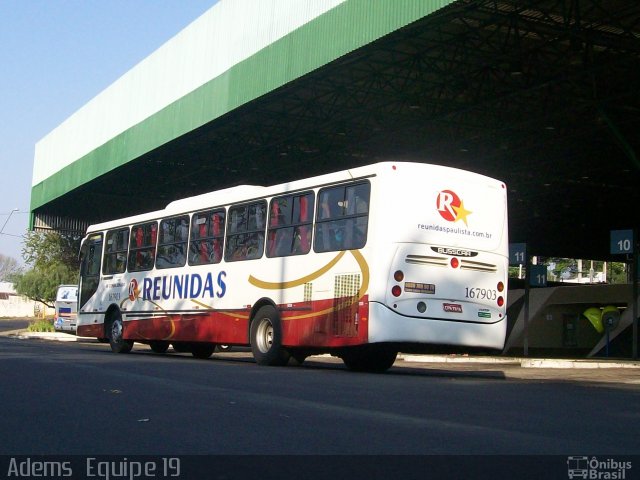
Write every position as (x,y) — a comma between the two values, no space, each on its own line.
(275,220)
(357,211)
(217,227)
(142,247)
(172,246)
(207,237)
(115,252)
(327,235)
(342,217)
(290,225)
(245,238)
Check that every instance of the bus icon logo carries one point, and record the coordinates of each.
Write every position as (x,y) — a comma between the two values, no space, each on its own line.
(578,467)
(451,207)
(133,290)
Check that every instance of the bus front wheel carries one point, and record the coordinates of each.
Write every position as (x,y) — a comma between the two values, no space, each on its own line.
(115,332)
(266,338)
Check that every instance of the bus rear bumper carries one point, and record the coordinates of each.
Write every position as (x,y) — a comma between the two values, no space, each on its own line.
(387,326)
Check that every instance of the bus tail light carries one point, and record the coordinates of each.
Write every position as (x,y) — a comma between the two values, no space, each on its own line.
(500,286)
(455,263)
(398,276)
(396,291)
(500,301)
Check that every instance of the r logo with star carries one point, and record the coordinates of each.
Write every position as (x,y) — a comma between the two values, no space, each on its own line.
(451,207)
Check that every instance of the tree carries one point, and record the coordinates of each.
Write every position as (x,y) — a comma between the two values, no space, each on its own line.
(8,268)
(54,261)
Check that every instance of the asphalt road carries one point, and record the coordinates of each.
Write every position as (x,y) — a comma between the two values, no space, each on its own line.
(79,398)
(7,324)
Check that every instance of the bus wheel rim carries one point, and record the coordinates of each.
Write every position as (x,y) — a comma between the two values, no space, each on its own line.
(116,330)
(265,336)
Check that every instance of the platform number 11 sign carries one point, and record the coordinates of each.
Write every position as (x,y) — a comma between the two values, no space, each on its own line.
(517,253)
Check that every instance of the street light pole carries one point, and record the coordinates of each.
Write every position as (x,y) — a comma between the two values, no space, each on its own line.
(7,220)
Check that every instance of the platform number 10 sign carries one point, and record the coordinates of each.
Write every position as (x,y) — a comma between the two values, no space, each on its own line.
(621,241)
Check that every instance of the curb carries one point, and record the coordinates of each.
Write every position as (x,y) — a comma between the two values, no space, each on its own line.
(523,362)
(457,359)
(559,363)
(59,336)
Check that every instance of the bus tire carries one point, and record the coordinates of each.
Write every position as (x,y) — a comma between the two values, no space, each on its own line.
(181,347)
(266,338)
(115,330)
(202,350)
(159,346)
(297,357)
(369,358)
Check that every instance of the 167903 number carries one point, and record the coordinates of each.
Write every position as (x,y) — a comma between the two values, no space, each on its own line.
(480,293)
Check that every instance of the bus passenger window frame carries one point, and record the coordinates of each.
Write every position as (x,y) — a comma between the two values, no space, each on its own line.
(143,251)
(90,251)
(241,241)
(289,232)
(172,251)
(342,217)
(113,252)
(206,241)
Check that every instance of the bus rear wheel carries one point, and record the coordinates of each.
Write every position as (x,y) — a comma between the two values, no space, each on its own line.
(266,338)
(181,347)
(202,350)
(297,357)
(159,346)
(115,330)
(369,358)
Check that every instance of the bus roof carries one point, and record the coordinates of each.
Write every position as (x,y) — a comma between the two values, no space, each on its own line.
(242,193)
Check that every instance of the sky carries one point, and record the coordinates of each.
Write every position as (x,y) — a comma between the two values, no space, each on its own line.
(55,56)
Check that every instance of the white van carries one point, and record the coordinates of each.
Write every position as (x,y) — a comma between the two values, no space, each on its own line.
(66,308)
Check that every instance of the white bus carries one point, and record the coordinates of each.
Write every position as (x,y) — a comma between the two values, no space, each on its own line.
(361,263)
(66,308)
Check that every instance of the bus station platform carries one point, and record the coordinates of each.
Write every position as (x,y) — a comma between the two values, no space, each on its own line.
(591,370)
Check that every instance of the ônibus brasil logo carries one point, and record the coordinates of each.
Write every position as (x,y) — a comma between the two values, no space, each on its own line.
(451,207)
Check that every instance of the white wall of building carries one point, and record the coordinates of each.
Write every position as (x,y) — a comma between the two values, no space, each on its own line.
(229,32)
(14,305)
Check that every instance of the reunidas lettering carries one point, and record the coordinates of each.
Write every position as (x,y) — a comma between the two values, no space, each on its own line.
(190,285)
